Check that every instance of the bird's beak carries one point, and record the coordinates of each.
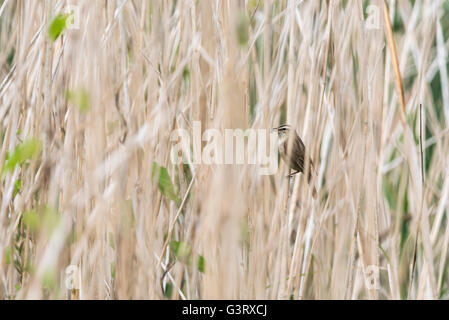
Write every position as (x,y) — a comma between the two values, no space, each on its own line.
(274,129)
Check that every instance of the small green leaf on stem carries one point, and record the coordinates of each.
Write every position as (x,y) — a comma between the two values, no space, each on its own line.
(57,26)
(80,97)
(23,152)
(161,177)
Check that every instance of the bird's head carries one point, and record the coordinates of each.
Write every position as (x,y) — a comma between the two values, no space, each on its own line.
(283,130)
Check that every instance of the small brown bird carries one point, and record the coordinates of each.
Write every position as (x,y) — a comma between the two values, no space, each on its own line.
(294,156)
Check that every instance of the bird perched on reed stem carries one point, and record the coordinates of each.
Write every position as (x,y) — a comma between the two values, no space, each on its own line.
(293,152)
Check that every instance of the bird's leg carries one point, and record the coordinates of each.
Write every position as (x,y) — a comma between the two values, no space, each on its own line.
(292,174)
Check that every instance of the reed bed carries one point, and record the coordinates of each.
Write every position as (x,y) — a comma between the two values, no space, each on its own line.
(92,207)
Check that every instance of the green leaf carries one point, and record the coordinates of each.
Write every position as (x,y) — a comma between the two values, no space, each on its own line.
(80,97)
(253,5)
(10,58)
(168,290)
(160,176)
(181,250)
(17,186)
(185,74)
(111,240)
(57,26)
(113,270)
(242,28)
(23,152)
(49,278)
(30,219)
(201,263)
(50,219)
(8,255)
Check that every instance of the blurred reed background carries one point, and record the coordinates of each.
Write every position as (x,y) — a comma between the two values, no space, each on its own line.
(86,115)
